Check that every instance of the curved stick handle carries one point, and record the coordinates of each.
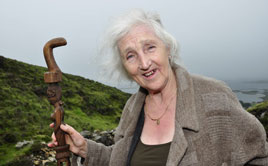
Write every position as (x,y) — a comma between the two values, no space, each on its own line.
(54,74)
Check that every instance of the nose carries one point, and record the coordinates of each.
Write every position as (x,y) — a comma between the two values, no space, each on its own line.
(144,62)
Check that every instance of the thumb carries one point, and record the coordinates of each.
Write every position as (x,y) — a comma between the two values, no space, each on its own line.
(64,127)
(68,129)
(72,132)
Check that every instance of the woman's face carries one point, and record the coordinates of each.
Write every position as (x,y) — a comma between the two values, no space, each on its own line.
(145,58)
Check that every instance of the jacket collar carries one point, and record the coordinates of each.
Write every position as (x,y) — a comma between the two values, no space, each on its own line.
(185,106)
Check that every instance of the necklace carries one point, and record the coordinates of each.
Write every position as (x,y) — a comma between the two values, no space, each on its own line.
(157,120)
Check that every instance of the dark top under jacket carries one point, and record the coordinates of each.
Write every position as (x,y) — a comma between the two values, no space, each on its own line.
(146,155)
(150,155)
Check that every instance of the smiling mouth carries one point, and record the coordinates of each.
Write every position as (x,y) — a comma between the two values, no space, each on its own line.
(149,73)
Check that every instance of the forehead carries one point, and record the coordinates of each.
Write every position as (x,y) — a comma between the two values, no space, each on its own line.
(138,35)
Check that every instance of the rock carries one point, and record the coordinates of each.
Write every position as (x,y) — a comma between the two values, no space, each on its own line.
(44,162)
(36,162)
(104,132)
(105,137)
(52,153)
(263,115)
(52,159)
(23,143)
(86,134)
(97,138)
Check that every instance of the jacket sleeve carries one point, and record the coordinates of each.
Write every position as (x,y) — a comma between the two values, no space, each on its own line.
(262,161)
(98,155)
(256,145)
(252,147)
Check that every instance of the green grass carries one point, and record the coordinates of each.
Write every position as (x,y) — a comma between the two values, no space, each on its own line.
(260,110)
(80,120)
(9,152)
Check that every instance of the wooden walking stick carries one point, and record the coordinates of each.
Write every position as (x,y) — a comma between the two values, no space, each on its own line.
(53,77)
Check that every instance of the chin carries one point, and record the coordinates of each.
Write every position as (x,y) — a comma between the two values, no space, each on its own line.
(156,86)
(154,89)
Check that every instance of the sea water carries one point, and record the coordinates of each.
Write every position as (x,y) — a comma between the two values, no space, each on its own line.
(249,91)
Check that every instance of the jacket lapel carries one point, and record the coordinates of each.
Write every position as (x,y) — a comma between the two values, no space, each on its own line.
(178,147)
(134,112)
(185,117)
(126,130)
(185,105)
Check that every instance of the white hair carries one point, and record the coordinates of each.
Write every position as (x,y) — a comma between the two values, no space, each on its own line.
(119,28)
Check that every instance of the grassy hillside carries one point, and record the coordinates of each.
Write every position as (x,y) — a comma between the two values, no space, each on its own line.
(25,111)
(260,110)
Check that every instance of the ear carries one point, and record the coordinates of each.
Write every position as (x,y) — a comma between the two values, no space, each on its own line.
(168,49)
(168,53)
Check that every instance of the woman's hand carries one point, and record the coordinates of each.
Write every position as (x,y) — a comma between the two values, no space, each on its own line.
(77,142)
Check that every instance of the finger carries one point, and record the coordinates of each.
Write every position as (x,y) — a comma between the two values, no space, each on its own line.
(51,125)
(52,144)
(68,139)
(74,135)
(53,137)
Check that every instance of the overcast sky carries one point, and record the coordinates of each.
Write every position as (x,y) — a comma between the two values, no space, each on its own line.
(225,39)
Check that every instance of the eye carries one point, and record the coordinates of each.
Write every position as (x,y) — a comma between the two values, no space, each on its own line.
(151,48)
(129,56)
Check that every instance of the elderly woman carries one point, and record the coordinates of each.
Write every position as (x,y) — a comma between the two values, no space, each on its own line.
(175,118)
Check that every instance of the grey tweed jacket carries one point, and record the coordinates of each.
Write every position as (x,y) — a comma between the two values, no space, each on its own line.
(211,128)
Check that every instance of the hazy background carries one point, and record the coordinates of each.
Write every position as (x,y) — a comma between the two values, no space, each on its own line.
(225,39)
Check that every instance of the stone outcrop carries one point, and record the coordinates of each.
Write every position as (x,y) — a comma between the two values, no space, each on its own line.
(41,155)
(105,137)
